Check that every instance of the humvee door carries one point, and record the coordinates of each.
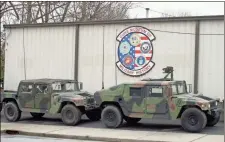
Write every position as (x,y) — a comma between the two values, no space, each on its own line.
(136,102)
(156,103)
(42,98)
(25,95)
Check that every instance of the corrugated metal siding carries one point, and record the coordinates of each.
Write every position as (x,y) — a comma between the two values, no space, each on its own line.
(49,53)
(211,59)
(14,59)
(170,49)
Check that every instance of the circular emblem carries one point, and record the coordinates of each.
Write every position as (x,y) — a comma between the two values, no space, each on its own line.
(128,61)
(135,39)
(135,51)
(145,47)
(124,47)
(141,60)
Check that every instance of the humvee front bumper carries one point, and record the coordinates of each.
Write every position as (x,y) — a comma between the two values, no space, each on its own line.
(215,112)
(91,104)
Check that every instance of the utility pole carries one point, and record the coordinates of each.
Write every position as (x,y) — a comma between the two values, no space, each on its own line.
(147,12)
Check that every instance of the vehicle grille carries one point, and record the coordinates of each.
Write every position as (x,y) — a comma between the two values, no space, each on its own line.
(90,101)
(213,104)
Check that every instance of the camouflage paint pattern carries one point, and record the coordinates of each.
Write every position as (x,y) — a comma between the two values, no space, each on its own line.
(51,102)
(167,106)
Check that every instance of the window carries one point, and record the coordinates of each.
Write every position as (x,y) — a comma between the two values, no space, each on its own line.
(179,89)
(41,88)
(174,89)
(135,92)
(156,91)
(65,86)
(26,88)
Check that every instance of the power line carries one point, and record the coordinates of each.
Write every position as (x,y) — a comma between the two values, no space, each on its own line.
(182,32)
(173,31)
(159,12)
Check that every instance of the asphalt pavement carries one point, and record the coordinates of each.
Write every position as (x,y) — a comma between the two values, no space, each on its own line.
(21,138)
(143,125)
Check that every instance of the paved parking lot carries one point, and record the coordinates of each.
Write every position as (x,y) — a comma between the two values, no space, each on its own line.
(143,125)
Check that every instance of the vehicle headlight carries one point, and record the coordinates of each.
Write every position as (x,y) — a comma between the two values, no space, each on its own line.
(208,105)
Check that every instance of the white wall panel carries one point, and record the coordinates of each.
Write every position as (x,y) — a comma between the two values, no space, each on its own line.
(50,52)
(90,57)
(170,49)
(211,59)
(14,59)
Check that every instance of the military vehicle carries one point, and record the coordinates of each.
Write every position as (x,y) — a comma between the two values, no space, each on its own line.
(161,99)
(52,96)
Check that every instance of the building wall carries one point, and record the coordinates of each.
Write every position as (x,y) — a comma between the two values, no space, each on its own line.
(211,59)
(14,59)
(169,49)
(50,53)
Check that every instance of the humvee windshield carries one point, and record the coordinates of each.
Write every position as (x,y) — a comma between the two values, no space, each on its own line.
(65,86)
(179,88)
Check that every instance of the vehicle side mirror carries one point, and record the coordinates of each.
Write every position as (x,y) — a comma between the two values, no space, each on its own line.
(81,86)
(189,88)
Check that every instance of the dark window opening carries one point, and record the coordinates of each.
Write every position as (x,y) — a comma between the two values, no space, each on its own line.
(135,92)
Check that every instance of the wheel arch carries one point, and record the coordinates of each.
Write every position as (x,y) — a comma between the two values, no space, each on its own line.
(104,104)
(183,108)
(64,103)
(6,100)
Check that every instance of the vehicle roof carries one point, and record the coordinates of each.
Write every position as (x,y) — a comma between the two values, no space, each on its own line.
(152,82)
(46,80)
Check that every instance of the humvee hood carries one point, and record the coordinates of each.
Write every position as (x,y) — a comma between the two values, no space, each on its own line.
(195,98)
(76,94)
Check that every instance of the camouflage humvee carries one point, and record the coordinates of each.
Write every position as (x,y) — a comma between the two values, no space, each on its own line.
(52,96)
(163,99)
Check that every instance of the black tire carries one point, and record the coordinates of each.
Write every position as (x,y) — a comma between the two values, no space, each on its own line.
(131,120)
(94,115)
(193,120)
(12,112)
(111,116)
(37,115)
(71,115)
(211,121)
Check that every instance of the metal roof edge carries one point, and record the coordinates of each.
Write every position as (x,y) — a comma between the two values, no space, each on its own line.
(123,21)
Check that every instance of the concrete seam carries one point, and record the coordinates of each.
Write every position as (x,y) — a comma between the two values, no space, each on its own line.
(198,138)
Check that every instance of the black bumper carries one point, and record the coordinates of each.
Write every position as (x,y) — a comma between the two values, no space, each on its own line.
(215,112)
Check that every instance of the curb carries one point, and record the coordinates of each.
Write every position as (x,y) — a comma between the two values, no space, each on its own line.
(91,138)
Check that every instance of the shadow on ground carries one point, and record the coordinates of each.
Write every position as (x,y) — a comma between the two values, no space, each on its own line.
(143,125)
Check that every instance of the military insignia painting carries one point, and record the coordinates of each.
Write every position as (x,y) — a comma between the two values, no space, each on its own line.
(135,51)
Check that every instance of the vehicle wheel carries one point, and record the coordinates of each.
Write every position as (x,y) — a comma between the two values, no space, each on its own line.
(70,114)
(130,120)
(112,117)
(193,120)
(211,121)
(94,115)
(12,112)
(37,115)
